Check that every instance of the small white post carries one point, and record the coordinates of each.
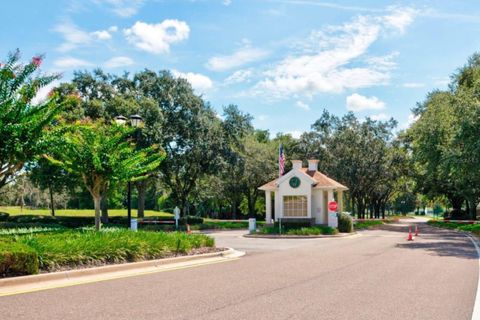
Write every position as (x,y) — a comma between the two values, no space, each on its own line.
(176,212)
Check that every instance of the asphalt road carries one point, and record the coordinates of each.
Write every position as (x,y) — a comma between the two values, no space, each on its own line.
(374,275)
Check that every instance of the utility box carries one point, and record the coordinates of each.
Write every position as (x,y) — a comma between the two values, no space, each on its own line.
(252,224)
(134,224)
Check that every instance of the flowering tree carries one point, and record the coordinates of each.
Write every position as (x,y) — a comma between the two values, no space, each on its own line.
(21,122)
(102,155)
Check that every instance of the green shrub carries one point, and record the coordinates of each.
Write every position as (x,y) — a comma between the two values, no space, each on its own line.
(190,220)
(305,231)
(69,222)
(17,259)
(367,224)
(86,247)
(345,223)
(317,230)
(4,216)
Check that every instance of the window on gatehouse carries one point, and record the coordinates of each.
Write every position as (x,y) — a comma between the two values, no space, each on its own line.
(295,206)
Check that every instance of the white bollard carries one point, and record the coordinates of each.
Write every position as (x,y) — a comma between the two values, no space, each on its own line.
(134,225)
(252,224)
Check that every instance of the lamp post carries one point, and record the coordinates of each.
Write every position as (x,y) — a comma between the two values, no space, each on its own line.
(135,121)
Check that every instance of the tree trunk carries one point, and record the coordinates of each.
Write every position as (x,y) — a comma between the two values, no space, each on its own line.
(104,207)
(142,190)
(97,200)
(234,210)
(251,207)
(52,205)
(456,202)
(472,209)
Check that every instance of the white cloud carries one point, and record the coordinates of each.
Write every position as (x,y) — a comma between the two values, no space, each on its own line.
(118,62)
(334,59)
(413,85)
(123,8)
(157,38)
(227,2)
(441,81)
(72,35)
(71,63)
(400,18)
(357,103)
(383,63)
(198,81)
(411,120)
(243,75)
(237,59)
(302,105)
(262,117)
(101,35)
(379,117)
(75,37)
(295,133)
(42,94)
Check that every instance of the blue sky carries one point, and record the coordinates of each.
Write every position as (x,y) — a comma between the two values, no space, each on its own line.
(283,61)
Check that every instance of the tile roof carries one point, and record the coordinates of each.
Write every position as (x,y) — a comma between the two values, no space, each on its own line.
(321,181)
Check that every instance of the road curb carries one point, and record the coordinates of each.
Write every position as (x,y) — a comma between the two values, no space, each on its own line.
(229,253)
(267,236)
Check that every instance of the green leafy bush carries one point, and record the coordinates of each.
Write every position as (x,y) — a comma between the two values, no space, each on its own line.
(4,216)
(66,221)
(345,223)
(367,224)
(317,230)
(78,248)
(17,259)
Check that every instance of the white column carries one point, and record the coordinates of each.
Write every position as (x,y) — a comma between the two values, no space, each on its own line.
(340,200)
(323,214)
(268,207)
(330,196)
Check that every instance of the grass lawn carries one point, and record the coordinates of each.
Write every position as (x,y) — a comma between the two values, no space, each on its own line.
(13,211)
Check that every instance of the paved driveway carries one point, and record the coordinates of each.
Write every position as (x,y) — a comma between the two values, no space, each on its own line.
(376,275)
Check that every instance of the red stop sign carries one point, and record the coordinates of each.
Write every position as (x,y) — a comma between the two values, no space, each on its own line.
(332,206)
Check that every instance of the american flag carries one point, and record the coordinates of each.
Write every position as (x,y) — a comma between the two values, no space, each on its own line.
(281,161)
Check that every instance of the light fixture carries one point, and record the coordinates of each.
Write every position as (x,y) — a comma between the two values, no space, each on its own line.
(136,120)
(121,120)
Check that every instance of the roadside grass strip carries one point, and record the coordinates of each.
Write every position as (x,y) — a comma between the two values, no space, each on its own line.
(462,226)
(23,254)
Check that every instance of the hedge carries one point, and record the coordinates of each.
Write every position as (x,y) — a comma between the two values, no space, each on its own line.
(4,216)
(72,248)
(17,259)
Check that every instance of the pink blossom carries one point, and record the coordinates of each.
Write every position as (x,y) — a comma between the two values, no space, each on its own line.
(37,61)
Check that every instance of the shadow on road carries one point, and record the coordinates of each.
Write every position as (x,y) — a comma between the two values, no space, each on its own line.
(444,248)
(440,242)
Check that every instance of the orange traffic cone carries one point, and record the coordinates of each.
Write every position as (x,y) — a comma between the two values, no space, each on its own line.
(416,231)
(188,229)
(410,238)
